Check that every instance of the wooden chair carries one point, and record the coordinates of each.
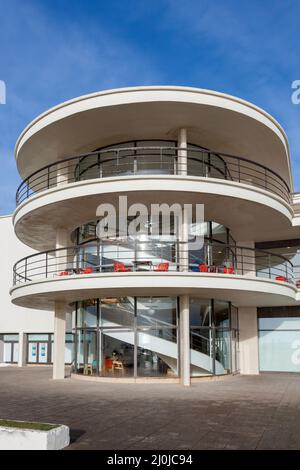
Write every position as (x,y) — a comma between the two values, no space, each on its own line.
(118,365)
(88,369)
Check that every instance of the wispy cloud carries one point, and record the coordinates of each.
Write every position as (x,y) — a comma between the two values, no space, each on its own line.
(247,49)
(44,62)
(54,50)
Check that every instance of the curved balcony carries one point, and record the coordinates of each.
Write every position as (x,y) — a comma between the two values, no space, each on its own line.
(118,162)
(157,256)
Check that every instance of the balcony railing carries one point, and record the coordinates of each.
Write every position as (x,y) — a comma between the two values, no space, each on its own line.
(153,161)
(154,256)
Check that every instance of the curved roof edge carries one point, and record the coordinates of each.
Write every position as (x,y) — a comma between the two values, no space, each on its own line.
(185,89)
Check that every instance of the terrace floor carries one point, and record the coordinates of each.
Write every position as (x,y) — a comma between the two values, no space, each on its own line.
(241,412)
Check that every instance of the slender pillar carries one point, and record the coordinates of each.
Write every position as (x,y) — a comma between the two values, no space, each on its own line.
(248,340)
(61,255)
(59,340)
(185,341)
(182,151)
(1,350)
(184,241)
(63,173)
(22,349)
(246,258)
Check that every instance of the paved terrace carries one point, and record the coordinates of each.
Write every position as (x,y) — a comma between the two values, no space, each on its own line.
(255,412)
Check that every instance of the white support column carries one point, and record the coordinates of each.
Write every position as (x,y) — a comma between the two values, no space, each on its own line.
(246,258)
(248,340)
(59,340)
(184,241)
(1,350)
(182,151)
(62,173)
(62,255)
(185,356)
(22,349)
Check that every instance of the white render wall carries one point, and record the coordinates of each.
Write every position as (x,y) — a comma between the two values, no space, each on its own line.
(14,319)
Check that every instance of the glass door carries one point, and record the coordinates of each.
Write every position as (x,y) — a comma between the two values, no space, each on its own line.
(87,352)
(42,353)
(33,353)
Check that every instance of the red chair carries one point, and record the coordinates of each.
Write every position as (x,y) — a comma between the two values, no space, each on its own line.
(228,270)
(162,267)
(87,271)
(63,273)
(120,267)
(203,268)
(281,278)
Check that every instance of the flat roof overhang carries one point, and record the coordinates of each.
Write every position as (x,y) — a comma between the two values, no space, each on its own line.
(214,120)
(241,290)
(250,212)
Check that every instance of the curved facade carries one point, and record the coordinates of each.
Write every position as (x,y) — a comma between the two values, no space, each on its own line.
(148,302)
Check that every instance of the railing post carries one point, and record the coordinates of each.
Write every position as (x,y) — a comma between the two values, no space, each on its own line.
(208,166)
(25,271)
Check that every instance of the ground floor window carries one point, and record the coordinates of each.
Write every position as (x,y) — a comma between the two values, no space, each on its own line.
(140,337)
(9,348)
(40,348)
(279,339)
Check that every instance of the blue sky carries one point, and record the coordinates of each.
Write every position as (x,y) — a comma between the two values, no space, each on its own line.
(53,50)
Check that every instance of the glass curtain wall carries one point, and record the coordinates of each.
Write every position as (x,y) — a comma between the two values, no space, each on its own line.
(213,337)
(127,336)
(290,249)
(146,251)
(139,337)
(149,157)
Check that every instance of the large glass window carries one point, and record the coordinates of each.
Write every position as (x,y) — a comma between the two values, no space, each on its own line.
(9,348)
(139,337)
(116,312)
(279,339)
(210,337)
(273,263)
(134,336)
(87,313)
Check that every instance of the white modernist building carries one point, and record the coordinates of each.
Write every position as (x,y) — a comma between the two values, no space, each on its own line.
(152,305)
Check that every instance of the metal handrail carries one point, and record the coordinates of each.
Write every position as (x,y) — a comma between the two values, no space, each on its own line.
(200,162)
(236,260)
